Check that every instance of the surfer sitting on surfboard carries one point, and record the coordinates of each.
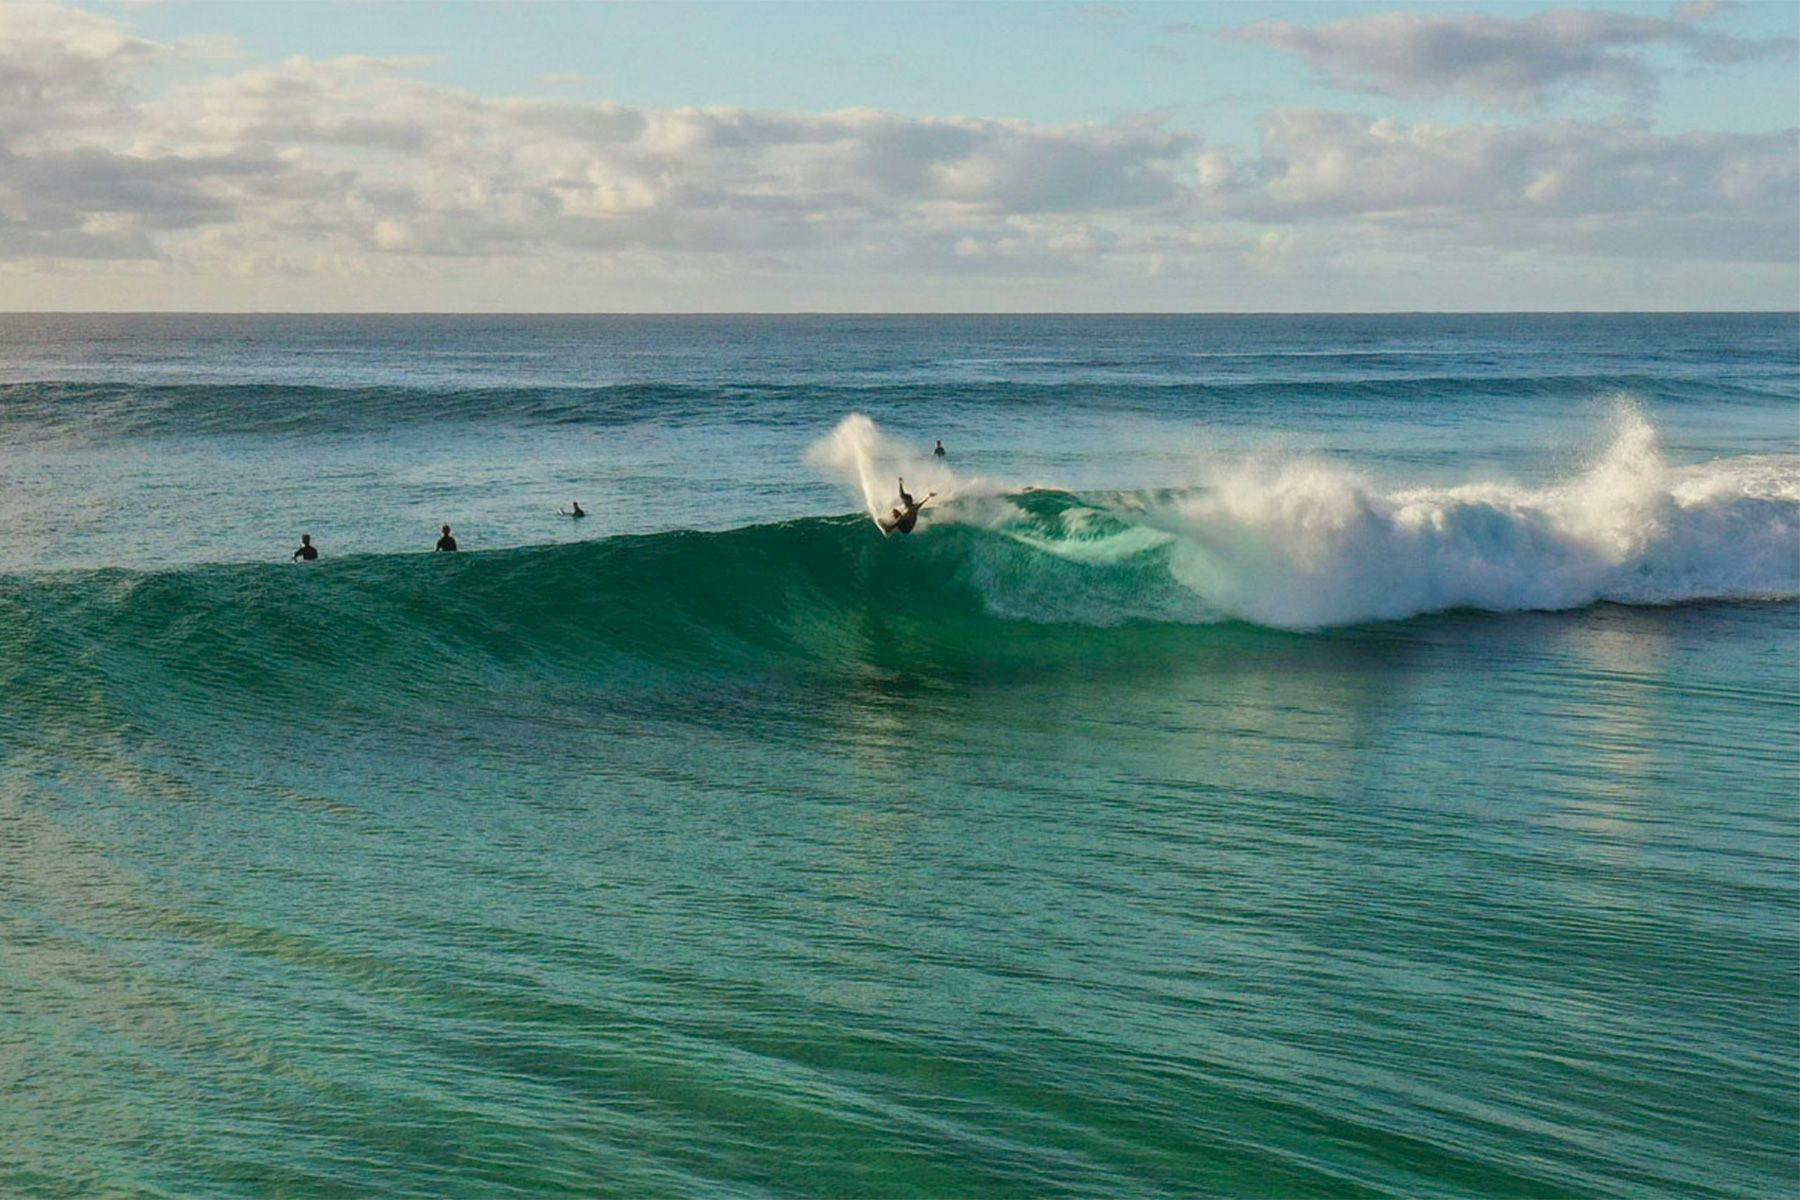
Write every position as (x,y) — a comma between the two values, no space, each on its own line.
(903,518)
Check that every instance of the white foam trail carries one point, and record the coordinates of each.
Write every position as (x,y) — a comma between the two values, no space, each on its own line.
(870,464)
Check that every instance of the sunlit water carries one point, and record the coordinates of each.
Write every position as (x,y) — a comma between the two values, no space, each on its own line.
(1295,756)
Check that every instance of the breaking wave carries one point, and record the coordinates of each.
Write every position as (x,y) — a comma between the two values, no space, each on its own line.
(991,577)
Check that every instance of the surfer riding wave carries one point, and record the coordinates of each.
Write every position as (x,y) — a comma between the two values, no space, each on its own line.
(857,454)
(903,517)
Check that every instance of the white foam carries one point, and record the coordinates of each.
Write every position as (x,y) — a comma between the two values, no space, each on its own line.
(1305,544)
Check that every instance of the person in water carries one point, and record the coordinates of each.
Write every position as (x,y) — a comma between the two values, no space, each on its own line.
(445,542)
(574,510)
(903,518)
(307,550)
(939,452)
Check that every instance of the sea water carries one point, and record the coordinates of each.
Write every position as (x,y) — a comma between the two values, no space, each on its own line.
(1293,756)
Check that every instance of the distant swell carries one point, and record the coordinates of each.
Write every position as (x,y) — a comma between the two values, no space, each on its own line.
(55,409)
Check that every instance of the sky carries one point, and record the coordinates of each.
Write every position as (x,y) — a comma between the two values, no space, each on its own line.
(678,157)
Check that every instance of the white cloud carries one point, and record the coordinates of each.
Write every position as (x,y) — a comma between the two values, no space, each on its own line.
(1611,187)
(353,150)
(60,67)
(1501,62)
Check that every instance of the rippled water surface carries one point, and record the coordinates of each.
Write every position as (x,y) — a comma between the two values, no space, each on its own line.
(1294,756)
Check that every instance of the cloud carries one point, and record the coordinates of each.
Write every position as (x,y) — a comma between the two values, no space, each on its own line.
(353,150)
(354,167)
(1704,10)
(60,67)
(1501,62)
(1585,185)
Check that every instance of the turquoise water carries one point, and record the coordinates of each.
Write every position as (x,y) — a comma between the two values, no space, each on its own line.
(1295,756)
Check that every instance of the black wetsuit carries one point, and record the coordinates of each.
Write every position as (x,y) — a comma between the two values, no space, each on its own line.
(446,543)
(307,552)
(939,452)
(907,515)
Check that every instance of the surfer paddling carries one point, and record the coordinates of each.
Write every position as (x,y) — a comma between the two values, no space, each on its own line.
(903,518)
(574,510)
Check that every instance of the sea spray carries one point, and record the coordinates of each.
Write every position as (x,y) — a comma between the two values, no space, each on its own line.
(865,460)
(850,453)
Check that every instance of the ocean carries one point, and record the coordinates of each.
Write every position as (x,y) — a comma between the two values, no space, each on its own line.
(1293,756)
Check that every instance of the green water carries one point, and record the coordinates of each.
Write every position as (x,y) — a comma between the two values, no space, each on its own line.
(1470,905)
